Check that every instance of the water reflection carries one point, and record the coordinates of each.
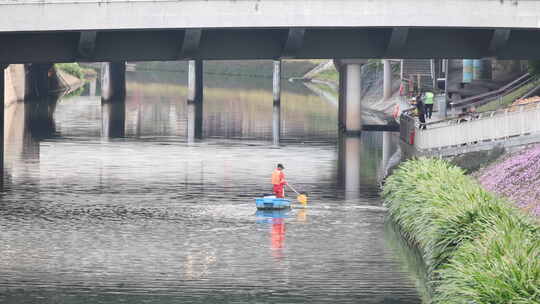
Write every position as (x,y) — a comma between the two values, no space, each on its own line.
(349,163)
(242,111)
(113,119)
(361,163)
(147,218)
(276,219)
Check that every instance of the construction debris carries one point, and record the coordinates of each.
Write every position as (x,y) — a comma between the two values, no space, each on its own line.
(531,102)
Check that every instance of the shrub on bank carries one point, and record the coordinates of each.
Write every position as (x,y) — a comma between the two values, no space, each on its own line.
(454,221)
(71,68)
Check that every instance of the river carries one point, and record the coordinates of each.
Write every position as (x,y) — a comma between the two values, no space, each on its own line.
(149,218)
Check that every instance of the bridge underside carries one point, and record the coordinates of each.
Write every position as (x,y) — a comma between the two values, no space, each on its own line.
(267,43)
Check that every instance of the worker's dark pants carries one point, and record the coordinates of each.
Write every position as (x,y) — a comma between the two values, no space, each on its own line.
(422,120)
(429,110)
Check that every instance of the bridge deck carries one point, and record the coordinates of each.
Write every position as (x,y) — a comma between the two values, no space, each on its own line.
(138,30)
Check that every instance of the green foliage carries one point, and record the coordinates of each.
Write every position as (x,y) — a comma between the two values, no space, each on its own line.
(330,75)
(534,67)
(462,231)
(74,93)
(71,68)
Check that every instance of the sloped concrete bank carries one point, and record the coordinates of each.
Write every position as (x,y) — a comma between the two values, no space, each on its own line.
(326,77)
(67,82)
(17,86)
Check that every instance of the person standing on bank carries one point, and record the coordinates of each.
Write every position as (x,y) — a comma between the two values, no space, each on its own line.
(428,100)
(278,181)
(420,108)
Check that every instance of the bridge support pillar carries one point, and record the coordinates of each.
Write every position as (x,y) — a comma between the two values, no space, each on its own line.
(195,100)
(350,97)
(37,79)
(276,108)
(113,99)
(387,79)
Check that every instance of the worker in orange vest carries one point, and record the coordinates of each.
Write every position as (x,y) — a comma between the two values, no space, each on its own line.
(278,181)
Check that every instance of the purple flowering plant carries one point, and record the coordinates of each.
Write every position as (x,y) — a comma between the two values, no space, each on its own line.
(517,178)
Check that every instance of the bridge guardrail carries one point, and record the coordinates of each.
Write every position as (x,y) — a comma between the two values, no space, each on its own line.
(407,126)
(495,125)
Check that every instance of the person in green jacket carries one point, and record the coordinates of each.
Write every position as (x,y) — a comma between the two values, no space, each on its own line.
(428,101)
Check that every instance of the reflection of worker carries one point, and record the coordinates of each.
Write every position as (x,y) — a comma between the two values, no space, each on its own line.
(278,233)
(301,216)
(277,237)
(278,181)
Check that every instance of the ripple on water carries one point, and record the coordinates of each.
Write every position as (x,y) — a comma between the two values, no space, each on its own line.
(158,221)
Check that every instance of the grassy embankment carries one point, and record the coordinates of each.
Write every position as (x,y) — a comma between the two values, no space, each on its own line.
(508,99)
(76,70)
(330,75)
(477,247)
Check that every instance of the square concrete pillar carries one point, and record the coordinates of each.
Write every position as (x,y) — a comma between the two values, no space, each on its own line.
(350,96)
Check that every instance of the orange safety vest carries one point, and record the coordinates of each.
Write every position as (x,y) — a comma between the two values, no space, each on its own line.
(277,177)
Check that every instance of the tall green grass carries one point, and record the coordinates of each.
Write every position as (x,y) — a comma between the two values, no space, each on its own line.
(72,68)
(466,235)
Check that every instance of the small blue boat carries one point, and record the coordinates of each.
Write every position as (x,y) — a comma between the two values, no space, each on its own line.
(272,203)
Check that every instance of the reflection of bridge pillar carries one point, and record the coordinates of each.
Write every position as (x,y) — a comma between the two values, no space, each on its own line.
(113,99)
(2,103)
(195,100)
(386,148)
(113,118)
(387,79)
(276,108)
(350,105)
(93,87)
(349,165)
(41,102)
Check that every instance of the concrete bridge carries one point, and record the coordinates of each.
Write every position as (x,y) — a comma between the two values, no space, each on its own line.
(115,31)
(141,30)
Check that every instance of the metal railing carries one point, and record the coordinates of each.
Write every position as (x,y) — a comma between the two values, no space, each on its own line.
(407,128)
(481,99)
(496,125)
(42,2)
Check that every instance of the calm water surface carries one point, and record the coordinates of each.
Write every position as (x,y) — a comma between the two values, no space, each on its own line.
(148,218)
